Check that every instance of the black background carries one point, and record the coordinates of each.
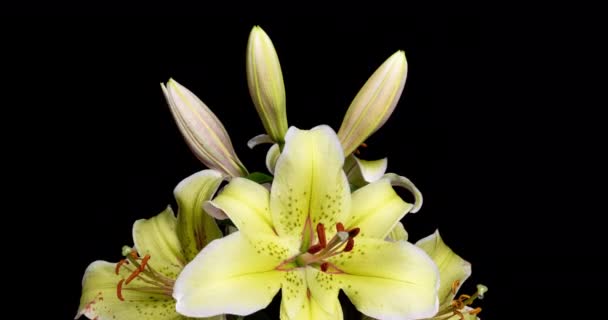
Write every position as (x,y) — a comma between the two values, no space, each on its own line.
(105,150)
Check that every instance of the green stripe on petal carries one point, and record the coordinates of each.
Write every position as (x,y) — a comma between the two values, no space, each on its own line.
(389,280)
(376,209)
(309,181)
(157,237)
(195,228)
(227,277)
(451,266)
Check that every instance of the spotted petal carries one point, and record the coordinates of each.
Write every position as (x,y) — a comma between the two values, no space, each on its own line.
(228,277)
(296,304)
(100,301)
(157,237)
(309,181)
(389,280)
(452,267)
(376,209)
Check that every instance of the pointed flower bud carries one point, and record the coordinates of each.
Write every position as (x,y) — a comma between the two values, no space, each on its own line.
(374,103)
(265,82)
(202,130)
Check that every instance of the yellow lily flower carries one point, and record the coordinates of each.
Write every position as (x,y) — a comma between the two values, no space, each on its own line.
(140,286)
(310,238)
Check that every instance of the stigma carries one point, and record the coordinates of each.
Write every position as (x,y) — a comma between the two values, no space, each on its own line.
(151,281)
(317,254)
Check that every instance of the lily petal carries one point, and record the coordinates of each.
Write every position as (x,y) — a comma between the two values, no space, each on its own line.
(374,103)
(259,139)
(246,203)
(265,82)
(324,288)
(202,130)
(195,228)
(376,209)
(216,282)
(361,172)
(389,280)
(398,233)
(451,266)
(298,304)
(157,237)
(100,301)
(400,181)
(272,156)
(309,181)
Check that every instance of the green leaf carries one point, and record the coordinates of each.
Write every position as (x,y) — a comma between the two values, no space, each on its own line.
(259,177)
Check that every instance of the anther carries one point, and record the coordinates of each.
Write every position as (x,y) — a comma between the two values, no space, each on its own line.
(324,266)
(119,290)
(349,245)
(315,248)
(119,264)
(354,232)
(339,227)
(144,262)
(475,311)
(133,276)
(364,145)
(455,286)
(321,235)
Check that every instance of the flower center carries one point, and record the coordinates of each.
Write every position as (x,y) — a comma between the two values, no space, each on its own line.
(139,268)
(456,308)
(317,254)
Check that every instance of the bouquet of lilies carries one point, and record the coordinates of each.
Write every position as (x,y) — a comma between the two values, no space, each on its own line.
(320,221)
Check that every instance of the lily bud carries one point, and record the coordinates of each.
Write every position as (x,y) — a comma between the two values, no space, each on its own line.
(374,103)
(265,82)
(202,130)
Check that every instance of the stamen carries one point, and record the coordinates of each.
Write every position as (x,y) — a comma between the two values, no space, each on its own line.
(354,232)
(321,235)
(315,248)
(119,290)
(339,227)
(324,266)
(134,254)
(364,145)
(475,311)
(464,297)
(455,286)
(119,264)
(133,276)
(349,245)
(144,262)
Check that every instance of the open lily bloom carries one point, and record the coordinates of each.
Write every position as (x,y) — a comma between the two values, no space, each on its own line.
(140,286)
(310,237)
(453,271)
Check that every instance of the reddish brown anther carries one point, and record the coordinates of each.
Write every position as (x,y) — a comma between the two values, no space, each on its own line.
(119,264)
(144,262)
(321,235)
(324,266)
(339,227)
(353,232)
(119,290)
(349,245)
(133,276)
(314,248)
